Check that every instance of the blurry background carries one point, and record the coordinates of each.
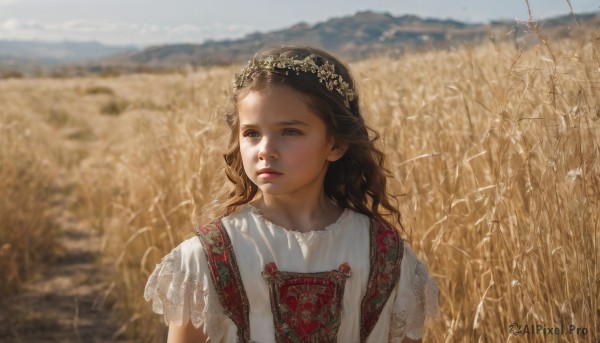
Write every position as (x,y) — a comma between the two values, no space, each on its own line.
(111,130)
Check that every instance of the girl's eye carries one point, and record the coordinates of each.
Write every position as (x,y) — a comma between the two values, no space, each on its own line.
(250,133)
(291,132)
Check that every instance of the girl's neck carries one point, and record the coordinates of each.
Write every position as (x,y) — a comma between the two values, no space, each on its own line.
(298,214)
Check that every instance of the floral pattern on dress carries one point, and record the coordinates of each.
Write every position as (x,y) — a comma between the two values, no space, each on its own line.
(225,275)
(386,251)
(306,306)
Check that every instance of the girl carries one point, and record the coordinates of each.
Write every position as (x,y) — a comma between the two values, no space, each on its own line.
(303,250)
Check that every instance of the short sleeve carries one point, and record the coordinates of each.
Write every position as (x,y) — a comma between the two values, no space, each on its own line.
(181,290)
(416,299)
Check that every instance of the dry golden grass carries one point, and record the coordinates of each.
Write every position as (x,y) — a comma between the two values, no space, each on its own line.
(495,154)
(28,170)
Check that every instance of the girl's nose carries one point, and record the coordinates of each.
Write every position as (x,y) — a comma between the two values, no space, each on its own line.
(267,150)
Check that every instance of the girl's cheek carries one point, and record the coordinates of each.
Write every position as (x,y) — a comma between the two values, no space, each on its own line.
(300,154)
(247,150)
(244,145)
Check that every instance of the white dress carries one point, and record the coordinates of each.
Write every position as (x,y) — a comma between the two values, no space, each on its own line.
(181,288)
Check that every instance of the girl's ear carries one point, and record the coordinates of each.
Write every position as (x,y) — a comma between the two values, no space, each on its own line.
(337,150)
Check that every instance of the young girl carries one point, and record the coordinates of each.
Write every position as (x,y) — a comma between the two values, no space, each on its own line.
(304,250)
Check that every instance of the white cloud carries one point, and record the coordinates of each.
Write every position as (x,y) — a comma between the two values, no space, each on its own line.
(117,32)
(187,28)
(10,25)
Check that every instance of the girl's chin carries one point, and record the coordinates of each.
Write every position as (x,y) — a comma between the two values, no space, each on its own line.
(271,190)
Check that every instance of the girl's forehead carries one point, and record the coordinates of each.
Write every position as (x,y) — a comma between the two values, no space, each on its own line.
(277,104)
(274,98)
(272,90)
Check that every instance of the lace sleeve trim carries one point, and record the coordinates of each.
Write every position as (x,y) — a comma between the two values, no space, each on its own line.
(410,322)
(181,296)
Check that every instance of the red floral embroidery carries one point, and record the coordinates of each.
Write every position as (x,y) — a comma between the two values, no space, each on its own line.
(386,254)
(225,275)
(306,306)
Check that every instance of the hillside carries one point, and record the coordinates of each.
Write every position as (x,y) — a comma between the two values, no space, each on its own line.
(353,37)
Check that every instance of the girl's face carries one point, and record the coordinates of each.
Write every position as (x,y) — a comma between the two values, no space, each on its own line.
(284,145)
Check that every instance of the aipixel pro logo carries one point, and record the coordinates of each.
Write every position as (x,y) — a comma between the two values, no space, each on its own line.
(541,329)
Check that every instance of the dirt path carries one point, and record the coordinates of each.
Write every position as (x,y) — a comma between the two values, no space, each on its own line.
(64,302)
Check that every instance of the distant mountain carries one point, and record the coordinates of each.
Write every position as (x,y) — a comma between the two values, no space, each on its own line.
(352,37)
(357,36)
(61,52)
(30,56)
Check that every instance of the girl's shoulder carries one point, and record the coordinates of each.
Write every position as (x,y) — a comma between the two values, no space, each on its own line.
(184,264)
(178,288)
(188,256)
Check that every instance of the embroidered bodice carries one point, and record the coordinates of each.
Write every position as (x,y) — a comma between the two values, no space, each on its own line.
(181,289)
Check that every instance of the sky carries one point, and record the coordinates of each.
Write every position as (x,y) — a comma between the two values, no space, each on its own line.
(154,22)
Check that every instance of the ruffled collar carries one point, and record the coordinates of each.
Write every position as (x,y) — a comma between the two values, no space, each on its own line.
(329,228)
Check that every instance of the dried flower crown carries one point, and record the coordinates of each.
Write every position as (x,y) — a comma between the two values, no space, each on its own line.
(325,73)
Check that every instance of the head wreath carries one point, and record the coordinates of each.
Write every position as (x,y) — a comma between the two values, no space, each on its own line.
(325,73)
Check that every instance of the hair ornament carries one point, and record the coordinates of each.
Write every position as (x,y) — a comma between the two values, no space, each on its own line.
(325,73)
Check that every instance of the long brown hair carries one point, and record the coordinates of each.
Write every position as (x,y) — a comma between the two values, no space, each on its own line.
(357,181)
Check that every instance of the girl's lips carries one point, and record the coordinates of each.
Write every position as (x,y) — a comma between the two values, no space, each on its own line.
(268,173)
(269,176)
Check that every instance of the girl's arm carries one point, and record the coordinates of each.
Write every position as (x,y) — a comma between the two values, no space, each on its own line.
(185,334)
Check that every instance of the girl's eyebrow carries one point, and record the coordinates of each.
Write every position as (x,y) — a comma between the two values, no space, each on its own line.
(292,122)
(281,123)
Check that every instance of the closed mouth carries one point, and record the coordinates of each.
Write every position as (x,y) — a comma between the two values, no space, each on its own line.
(267,171)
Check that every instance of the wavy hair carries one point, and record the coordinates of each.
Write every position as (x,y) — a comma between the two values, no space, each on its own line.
(357,181)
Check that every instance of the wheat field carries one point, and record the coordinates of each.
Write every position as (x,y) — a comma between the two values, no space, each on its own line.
(494,150)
